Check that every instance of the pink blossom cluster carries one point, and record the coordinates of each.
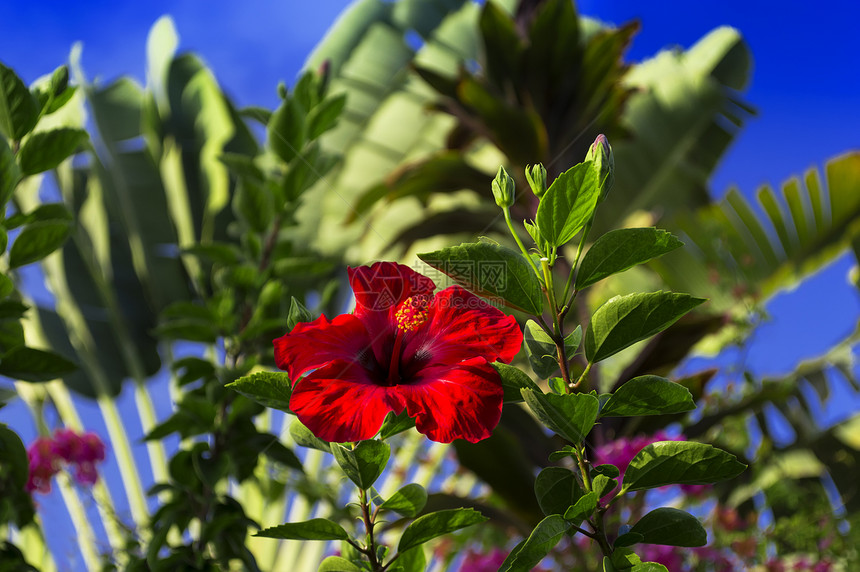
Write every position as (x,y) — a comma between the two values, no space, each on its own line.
(47,455)
(621,451)
(483,562)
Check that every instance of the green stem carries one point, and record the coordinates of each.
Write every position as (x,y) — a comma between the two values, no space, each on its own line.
(558,333)
(375,565)
(525,252)
(567,285)
(582,377)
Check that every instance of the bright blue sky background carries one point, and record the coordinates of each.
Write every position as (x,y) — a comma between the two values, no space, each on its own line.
(805,85)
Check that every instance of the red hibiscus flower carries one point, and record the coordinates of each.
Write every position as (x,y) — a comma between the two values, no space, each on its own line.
(402,348)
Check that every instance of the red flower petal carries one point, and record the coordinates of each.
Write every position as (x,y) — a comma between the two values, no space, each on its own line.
(313,344)
(341,402)
(459,402)
(463,326)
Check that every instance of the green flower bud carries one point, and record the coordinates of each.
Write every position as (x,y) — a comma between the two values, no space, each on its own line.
(504,189)
(59,80)
(603,161)
(536,176)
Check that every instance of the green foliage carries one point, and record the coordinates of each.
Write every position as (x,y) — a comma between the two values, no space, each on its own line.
(679,462)
(543,538)
(571,415)
(429,526)
(362,463)
(314,529)
(670,526)
(568,204)
(619,250)
(272,389)
(648,395)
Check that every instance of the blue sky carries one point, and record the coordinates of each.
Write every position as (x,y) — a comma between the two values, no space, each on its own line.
(806,87)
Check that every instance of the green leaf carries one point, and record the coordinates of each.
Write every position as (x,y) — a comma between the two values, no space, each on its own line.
(513,380)
(435,524)
(338,564)
(618,250)
(7,286)
(408,501)
(556,488)
(254,204)
(648,395)
(583,507)
(671,527)
(14,456)
(9,173)
(649,567)
(568,204)
(542,539)
(624,320)
(19,110)
(364,463)
(628,539)
(47,149)
(286,130)
(624,559)
(679,462)
(304,437)
(394,424)
(325,115)
(314,529)
(541,350)
(410,561)
(572,416)
(30,364)
(269,388)
(603,485)
(37,240)
(491,271)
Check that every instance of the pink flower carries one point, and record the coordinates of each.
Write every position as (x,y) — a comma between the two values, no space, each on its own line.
(47,456)
(480,562)
(621,451)
(44,464)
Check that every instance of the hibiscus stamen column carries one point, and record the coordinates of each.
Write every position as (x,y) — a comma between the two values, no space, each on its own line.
(411,314)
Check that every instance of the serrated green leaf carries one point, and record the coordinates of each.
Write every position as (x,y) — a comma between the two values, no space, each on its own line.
(679,462)
(269,388)
(648,395)
(37,240)
(540,349)
(363,463)
(671,527)
(47,149)
(19,110)
(620,249)
(314,529)
(624,320)
(568,204)
(304,437)
(513,380)
(571,416)
(556,488)
(30,364)
(408,501)
(542,539)
(429,526)
(492,271)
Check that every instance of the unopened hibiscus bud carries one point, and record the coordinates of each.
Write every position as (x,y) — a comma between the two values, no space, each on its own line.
(603,161)
(536,176)
(504,189)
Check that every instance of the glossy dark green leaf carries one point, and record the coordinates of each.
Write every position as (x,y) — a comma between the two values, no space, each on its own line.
(286,130)
(540,349)
(513,380)
(679,462)
(30,364)
(583,507)
(671,527)
(394,424)
(568,204)
(541,540)
(556,488)
(363,463)
(620,249)
(19,110)
(304,437)
(603,485)
(429,526)
(37,240)
(410,561)
(14,456)
(491,271)
(624,320)
(628,539)
(571,416)
(314,529)
(47,149)
(648,395)
(10,174)
(269,388)
(408,501)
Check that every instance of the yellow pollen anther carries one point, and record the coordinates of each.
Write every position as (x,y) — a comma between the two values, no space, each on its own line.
(412,313)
